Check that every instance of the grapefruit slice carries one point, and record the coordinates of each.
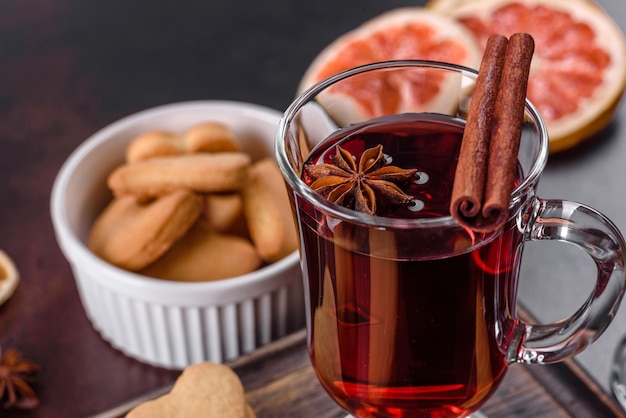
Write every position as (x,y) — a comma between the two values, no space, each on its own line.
(445,5)
(404,33)
(9,277)
(578,72)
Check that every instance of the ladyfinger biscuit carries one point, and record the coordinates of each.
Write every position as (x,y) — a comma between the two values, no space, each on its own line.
(210,137)
(203,255)
(153,144)
(132,235)
(224,213)
(267,211)
(203,137)
(203,172)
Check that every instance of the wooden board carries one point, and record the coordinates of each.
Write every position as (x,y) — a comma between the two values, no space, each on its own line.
(280,382)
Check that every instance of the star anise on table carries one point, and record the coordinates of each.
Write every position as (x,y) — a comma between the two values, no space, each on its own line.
(15,375)
(361,185)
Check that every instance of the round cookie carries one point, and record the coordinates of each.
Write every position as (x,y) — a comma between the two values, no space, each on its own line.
(132,235)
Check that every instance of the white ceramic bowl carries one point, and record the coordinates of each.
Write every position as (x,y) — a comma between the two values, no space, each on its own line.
(172,324)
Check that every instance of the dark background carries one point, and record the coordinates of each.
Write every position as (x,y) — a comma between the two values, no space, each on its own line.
(70,67)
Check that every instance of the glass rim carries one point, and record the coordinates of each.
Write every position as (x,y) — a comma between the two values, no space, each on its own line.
(341,212)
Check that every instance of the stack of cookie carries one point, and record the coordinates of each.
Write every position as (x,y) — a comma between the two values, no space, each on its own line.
(193,206)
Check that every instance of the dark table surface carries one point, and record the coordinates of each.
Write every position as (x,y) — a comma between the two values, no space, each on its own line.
(70,67)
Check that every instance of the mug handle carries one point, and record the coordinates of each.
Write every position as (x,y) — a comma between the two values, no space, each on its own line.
(589,230)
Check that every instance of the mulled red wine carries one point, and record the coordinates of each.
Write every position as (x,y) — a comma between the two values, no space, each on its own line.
(407,321)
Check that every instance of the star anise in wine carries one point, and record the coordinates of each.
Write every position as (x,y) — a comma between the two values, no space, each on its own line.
(16,374)
(363,185)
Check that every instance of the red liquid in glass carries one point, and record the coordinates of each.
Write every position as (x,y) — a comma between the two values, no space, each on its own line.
(394,329)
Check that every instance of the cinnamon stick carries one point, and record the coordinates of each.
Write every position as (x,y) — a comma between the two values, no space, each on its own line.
(485,180)
(471,170)
(507,128)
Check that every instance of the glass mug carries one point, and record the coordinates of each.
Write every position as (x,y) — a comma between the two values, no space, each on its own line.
(416,315)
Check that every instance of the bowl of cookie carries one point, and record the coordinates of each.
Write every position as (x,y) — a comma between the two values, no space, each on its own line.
(176,224)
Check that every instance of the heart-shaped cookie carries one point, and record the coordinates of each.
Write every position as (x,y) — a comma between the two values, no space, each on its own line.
(202,390)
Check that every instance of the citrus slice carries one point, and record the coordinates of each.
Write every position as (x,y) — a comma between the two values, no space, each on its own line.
(448,5)
(578,71)
(404,33)
(445,5)
(9,277)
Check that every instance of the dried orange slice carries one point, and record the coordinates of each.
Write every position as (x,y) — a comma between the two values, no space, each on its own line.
(578,72)
(404,33)
(9,277)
